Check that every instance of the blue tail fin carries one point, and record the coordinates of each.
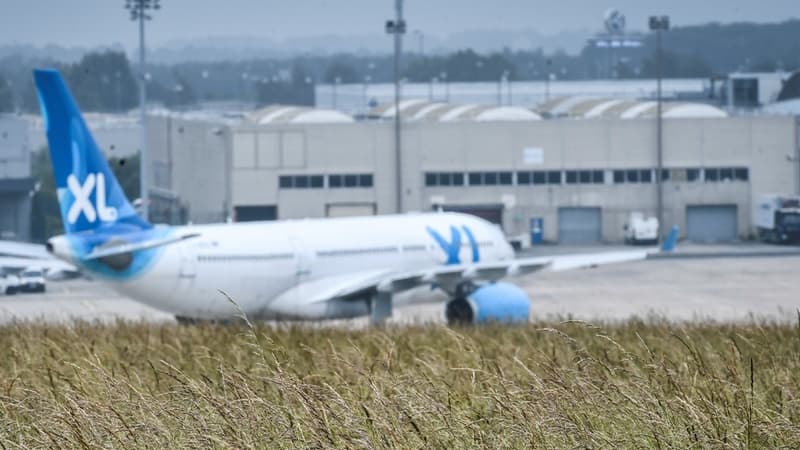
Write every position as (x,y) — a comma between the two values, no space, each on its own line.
(88,192)
(671,240)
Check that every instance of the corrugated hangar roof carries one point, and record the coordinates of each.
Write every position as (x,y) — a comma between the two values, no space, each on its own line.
(278,114)
(423,110)
(581,107)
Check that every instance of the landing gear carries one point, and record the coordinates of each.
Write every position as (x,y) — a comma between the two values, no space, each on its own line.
(186,321)
(459,312)
(380,307)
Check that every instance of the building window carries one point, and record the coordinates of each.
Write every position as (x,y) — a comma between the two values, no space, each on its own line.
(711,175)
(475,178)
(540,178)
(444,179)
(572,176)
(598,177)
(431,179)
(553,177)
(646,176)
(619,176)
(741,174)
(364,180)
(585,176)
(505,178)
(664,175)
(523,178)
(726,174)
(490,178)
(692,175)
(631,176)
(300,181)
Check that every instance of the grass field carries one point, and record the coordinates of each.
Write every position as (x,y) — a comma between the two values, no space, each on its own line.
(546,385)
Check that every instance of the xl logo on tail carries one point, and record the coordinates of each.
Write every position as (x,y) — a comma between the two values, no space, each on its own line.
(83,205)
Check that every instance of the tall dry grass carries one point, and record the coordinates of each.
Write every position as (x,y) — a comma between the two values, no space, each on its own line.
(556,385)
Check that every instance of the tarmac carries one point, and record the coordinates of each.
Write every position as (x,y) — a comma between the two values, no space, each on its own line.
(727,283)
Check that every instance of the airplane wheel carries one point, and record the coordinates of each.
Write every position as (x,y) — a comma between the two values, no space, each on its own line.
(185,320)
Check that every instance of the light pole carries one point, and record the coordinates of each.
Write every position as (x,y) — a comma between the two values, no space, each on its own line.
(443,76)
(367,79)
(548,75)
(138,10)
(503,79)
(397,27)
(509,91)
(334,95)
(659,24)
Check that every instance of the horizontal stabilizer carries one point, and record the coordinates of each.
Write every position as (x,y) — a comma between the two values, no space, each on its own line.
(105,252)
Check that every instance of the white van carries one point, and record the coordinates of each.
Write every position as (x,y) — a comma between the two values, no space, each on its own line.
(640,229)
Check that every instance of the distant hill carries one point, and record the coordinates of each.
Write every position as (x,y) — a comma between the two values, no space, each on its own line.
(722,47)
(239,48)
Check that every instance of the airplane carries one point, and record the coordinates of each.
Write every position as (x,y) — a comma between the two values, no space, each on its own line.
(18,256)
(311,269)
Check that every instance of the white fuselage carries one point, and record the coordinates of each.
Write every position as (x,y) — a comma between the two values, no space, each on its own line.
(254,263)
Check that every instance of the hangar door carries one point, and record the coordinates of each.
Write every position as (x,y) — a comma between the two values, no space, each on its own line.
(579,225)
(349,209)
(711,223)
(491,213)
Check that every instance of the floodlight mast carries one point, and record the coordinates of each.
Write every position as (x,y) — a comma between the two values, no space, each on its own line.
(138,11)
(659,24)
(397,28)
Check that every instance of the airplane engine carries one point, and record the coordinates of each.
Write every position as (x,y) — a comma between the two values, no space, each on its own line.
(494,302)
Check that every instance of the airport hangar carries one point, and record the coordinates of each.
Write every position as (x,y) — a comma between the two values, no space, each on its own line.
(581,169)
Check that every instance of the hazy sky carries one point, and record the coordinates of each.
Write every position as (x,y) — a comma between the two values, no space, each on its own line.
(102,22)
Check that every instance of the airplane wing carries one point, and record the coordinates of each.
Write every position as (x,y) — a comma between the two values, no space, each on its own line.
(18,256)
(104,252)
(54,269)
(381,285)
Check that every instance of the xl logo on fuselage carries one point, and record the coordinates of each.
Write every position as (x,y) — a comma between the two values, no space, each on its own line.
(452,248)
(83,205)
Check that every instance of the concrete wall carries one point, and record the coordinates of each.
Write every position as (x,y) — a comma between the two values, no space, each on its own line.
(259,155)
(15,178)
(190,158)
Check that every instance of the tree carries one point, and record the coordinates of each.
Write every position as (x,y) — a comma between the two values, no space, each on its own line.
(345,73)
(103,81)
(297,91)
(178,94)
(45,210)
(464,65)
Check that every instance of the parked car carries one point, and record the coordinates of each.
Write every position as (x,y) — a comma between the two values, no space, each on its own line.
(31,280)
(9,284)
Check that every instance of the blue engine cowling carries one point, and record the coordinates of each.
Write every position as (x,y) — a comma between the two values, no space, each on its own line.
(494,302)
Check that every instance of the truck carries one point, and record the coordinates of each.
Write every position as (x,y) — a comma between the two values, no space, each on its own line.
(777,218)
(640,229)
